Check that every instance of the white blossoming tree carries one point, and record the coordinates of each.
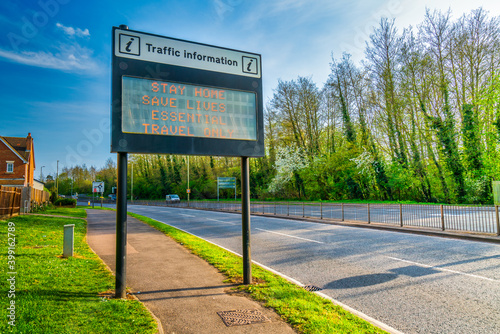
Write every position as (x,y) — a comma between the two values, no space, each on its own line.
(289,160)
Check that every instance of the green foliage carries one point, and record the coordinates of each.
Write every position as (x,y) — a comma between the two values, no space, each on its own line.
(472,144)
(65,202)
(445,131)
(53,197)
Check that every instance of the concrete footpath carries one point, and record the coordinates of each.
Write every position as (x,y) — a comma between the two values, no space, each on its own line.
(183,291)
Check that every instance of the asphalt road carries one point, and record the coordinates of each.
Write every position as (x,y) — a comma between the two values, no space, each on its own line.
(413,283)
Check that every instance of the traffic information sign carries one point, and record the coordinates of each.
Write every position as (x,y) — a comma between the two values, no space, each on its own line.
(181,97)
(164,50)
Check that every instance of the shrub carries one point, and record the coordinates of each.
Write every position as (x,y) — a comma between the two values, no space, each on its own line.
(53,197)
(65,202)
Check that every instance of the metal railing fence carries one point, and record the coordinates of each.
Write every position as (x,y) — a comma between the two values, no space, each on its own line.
(471,218)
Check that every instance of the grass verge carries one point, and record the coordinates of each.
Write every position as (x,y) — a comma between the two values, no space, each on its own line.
(305,311)
(57,295)
(70,212)
(84,207)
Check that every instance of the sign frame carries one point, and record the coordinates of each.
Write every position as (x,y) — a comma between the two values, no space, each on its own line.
(122,142)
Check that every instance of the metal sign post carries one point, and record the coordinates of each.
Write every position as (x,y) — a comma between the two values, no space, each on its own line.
(121,227)
(245,220)
(188,190)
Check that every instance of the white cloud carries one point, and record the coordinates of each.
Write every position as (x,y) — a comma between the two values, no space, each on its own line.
(69,58)
(64,53)
(70,31)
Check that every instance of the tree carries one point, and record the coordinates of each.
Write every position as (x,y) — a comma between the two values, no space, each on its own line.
(289,161)
(381,54)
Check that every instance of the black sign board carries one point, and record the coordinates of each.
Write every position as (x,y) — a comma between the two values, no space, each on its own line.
(178,97)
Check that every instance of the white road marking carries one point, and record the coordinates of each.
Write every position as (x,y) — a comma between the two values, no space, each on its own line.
(220,221)
(443,269)
(290,236)
(182,214)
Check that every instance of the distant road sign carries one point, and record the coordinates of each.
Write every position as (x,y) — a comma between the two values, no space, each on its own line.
(98,186)
(226,182)
(188,191)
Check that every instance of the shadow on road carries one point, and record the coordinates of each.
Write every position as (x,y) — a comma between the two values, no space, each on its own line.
(360,281)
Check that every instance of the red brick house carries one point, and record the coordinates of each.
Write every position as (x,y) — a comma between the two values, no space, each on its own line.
(17,161)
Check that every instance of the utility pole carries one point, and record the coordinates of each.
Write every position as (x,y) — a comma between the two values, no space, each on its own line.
(189,189)
(41,174)
(57,180)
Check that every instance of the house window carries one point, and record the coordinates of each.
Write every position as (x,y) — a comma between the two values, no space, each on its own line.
(10,167)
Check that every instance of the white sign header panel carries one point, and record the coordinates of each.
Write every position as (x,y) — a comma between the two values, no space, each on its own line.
(139,46)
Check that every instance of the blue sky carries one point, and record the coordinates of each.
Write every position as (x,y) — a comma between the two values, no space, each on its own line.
(55,55)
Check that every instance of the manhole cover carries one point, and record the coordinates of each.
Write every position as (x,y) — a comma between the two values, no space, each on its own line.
(242,317)
(312,288)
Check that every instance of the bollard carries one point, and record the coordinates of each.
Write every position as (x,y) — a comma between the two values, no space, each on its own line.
(68,240)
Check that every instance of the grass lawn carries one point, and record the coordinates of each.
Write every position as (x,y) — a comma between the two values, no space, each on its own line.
(305,311)
(57,295)
(71,212)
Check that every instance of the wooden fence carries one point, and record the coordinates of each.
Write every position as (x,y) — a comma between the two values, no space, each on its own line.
(10,202)
(39,196)
(32,198)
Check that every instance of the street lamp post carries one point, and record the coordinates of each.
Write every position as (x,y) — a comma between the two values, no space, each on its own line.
(41,174)
(57,180)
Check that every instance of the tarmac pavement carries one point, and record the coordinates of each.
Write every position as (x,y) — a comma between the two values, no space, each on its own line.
(183,291)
